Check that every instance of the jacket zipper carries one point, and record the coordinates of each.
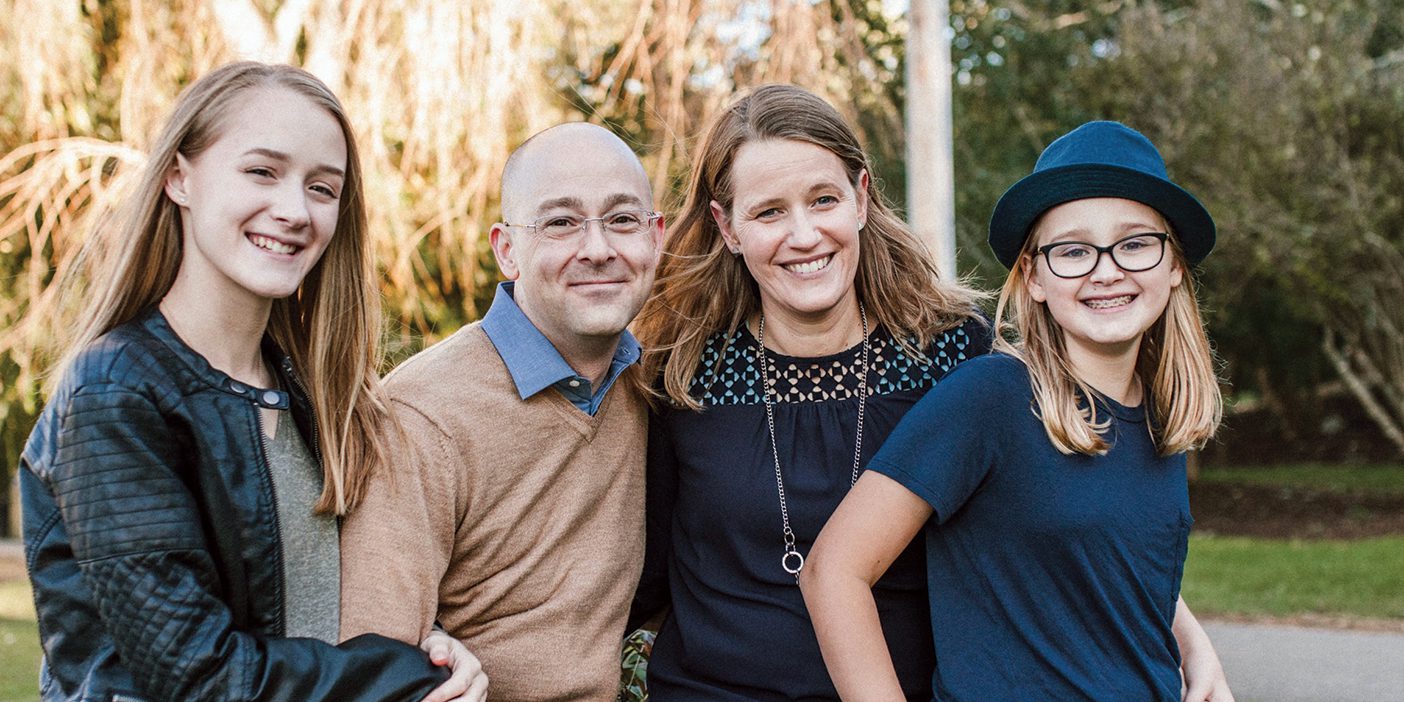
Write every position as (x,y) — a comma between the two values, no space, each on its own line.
(316,435)
(267,475)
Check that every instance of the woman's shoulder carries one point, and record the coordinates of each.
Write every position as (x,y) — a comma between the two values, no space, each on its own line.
(120,378)
(724,373)
(971,336)
(130,358)
(953,345)
(112,357)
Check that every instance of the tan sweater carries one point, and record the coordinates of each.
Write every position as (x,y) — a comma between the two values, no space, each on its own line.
(518,525)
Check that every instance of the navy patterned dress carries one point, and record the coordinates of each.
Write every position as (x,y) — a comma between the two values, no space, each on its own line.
(738,628)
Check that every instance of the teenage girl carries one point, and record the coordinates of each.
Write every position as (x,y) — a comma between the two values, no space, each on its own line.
(1049,477)
(217,411)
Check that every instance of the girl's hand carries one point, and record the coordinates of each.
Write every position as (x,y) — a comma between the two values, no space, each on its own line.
(1199,663)
(467,682)
(1204,678)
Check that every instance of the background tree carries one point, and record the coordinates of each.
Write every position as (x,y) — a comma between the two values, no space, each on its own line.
(438,94)
(1288,118)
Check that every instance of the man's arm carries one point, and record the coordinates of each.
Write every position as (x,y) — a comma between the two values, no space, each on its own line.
(397,544)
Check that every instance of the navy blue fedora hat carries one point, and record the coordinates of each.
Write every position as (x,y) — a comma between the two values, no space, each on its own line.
(1098,159)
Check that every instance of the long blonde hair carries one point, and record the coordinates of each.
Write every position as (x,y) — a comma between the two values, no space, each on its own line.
(330,327)
(1175,364)
(702,289)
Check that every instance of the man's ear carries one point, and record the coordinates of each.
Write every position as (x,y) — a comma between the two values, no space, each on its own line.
(504,250)
(659,228)
(176,184)
(724,224)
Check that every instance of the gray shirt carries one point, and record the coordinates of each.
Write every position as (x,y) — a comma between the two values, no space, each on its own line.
(311,548)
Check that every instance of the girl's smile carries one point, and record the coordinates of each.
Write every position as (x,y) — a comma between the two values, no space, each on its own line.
(1106,311)
(261,203)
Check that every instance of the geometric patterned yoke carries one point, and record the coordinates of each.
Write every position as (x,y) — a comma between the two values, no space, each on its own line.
(730,377)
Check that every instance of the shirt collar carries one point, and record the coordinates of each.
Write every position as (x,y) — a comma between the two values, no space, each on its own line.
(531,359)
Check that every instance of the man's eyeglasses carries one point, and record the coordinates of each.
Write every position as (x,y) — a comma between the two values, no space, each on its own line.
(622,224)
(1135,253)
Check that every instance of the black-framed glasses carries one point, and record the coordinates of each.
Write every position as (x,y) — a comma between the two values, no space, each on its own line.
(621,224)
(1133,254)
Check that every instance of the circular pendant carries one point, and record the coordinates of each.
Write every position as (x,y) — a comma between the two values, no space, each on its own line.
(794,557)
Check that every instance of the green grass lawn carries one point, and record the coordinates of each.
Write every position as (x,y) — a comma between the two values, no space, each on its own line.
(1367,479)
(1284,578)
(19,643)
(19,661)
(1281,578)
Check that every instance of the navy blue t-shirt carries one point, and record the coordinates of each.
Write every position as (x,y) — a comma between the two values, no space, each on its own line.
(738,627)
(1051,577)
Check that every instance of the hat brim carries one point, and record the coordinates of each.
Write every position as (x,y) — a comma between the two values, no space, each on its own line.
(1025,201)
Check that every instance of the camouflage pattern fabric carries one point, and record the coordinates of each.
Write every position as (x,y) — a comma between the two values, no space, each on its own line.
(633,666)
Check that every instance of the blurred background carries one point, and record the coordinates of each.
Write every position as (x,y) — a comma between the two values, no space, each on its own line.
(1285,118)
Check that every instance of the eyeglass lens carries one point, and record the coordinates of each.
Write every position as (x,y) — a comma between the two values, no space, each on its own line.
(1132,254)
(615,223)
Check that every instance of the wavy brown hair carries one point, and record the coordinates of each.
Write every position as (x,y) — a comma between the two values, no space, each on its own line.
(1175,365)
(702,289)
(330,326)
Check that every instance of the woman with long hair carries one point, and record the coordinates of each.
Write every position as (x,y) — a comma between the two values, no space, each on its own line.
(216,411)
(794,321)
(1056,511)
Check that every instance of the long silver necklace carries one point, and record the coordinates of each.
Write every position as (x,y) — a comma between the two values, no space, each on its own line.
(793,560)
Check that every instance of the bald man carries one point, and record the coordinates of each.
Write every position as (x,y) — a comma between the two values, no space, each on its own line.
(514,516)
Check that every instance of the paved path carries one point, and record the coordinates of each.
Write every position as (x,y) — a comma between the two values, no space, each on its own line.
(1273,663)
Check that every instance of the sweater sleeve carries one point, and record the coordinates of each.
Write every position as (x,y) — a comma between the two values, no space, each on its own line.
(397,544)
(136,537)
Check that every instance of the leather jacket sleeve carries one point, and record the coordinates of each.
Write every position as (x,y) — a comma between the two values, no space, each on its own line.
(114,475)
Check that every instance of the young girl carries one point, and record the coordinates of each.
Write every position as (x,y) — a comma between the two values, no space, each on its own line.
(215,414)
(1049,476)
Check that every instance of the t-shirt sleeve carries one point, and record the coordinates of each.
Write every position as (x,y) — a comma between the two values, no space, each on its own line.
(946,446)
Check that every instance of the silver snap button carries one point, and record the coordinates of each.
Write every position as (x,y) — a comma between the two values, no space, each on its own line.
(270,397)
(236,386)
(574,383)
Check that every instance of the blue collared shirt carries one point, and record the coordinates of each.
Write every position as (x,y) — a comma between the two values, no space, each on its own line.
(534,362)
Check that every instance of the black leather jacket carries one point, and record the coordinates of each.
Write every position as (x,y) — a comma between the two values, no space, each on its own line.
(152,539)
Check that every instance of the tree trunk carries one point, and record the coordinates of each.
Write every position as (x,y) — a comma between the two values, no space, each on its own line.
(1357,381)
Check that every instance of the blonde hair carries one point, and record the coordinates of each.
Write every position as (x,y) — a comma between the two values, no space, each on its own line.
(330,327)
(1175,365)
(702,289)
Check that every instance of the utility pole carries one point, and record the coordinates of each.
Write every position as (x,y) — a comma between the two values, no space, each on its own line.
(930,164)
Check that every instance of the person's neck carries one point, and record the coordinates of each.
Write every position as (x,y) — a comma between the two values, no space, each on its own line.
(1110,371)
(590,357)
(226,329)
(821,334)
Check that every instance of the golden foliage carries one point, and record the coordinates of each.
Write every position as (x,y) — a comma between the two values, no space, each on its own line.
(438,92)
